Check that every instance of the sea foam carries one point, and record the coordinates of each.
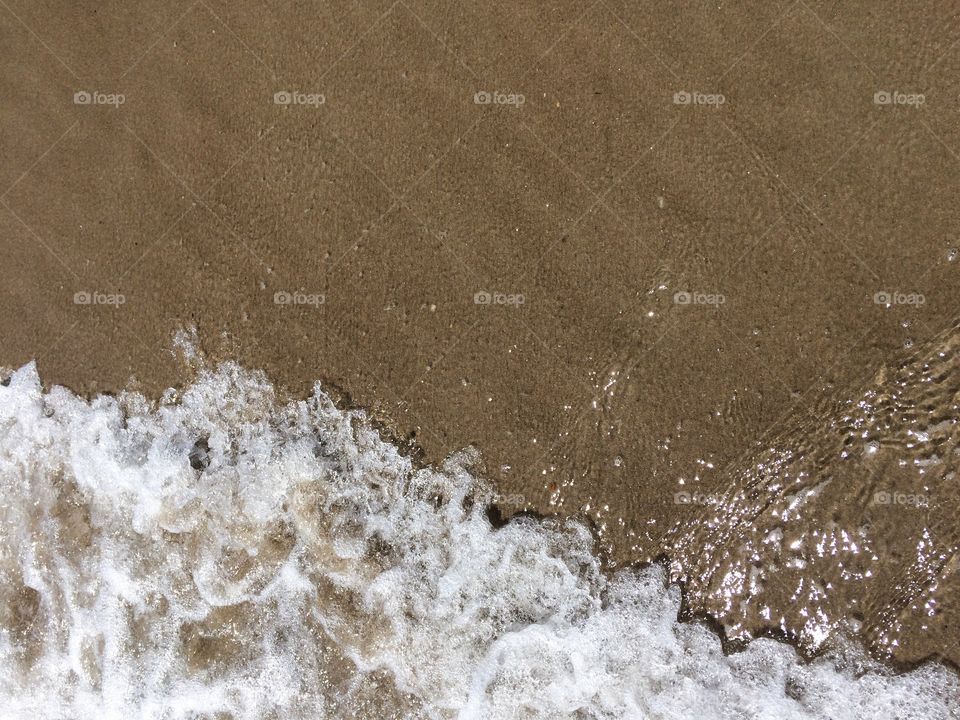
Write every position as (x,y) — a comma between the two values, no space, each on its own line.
(225,554)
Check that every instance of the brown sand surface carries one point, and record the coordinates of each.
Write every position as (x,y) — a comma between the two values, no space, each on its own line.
(776,164)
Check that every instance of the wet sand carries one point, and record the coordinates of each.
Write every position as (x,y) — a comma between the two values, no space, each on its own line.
(696,227)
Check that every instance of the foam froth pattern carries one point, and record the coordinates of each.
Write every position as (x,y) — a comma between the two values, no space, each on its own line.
(224,554)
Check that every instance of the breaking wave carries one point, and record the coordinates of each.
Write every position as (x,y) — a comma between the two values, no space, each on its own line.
(225,554)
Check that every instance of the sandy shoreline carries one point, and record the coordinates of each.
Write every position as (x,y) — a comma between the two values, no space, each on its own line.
(615,287)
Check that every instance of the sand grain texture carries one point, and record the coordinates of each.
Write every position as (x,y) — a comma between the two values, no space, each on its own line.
(399,198)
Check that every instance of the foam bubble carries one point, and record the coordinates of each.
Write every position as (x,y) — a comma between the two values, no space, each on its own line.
(228,555)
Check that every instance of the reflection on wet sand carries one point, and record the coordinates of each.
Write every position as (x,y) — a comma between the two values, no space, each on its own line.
(846,517)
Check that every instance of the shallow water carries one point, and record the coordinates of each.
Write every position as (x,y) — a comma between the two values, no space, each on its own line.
(227,554)
(849,513)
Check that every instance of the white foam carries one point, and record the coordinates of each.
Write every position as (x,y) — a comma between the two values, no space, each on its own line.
(310,571)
